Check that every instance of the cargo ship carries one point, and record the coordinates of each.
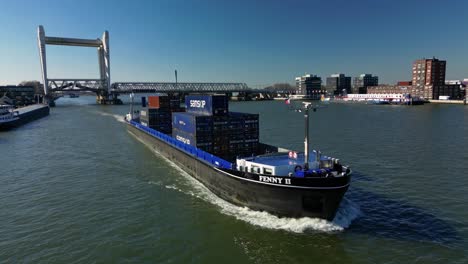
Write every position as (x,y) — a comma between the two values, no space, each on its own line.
(11,117)
(221,149)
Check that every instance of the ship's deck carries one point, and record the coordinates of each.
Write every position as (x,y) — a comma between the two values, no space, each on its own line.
(29,108)
(281,159)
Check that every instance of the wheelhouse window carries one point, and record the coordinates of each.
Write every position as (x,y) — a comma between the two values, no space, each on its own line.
(267,171)
(255,169)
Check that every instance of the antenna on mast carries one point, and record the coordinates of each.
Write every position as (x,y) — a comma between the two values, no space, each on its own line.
(306,107)
(132,96)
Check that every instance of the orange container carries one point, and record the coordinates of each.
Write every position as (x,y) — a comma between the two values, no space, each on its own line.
(158,101)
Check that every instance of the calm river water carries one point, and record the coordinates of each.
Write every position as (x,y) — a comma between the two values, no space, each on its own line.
(77,188)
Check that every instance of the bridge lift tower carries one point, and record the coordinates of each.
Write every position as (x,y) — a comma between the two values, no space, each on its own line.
(102,86)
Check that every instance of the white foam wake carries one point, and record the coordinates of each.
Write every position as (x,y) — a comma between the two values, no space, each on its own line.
(347,212)
(155,183)
(119,118)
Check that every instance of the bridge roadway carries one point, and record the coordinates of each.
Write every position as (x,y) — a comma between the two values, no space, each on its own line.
(110,96)
(98,85)
(151,87)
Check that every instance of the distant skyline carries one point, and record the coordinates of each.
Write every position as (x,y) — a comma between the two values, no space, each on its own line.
(257,42)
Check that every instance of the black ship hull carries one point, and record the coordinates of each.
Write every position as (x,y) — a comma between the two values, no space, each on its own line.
(9,124)
(282,196)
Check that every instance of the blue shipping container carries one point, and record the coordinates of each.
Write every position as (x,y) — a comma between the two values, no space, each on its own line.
(192,140)
(191,123)
(207,104)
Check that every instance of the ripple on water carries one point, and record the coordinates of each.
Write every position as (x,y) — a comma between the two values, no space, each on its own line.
(74,188)
(400,219)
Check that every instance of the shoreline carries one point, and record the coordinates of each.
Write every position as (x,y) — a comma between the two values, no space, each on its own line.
(446,101)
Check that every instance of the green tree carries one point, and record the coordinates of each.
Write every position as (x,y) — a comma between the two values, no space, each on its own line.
(38,87)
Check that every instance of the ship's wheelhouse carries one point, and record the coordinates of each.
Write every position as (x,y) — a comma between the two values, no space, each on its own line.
(283,163)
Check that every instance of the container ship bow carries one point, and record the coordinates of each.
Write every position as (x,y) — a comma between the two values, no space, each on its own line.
(221,149)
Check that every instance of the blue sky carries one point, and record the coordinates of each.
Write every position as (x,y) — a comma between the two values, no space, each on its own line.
(257,42)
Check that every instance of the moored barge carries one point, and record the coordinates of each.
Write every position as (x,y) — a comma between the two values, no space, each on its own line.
(11,117)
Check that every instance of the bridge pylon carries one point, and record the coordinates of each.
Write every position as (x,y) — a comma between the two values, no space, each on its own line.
(102,86)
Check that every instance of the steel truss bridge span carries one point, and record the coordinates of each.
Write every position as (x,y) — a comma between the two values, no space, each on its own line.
(151,87)
(94,85)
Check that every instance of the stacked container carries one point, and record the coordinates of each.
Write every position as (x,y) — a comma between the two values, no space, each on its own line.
(205,123)
(194,130)
(158,114)
(208,125)
(243,134)
(221,135)
(210,105)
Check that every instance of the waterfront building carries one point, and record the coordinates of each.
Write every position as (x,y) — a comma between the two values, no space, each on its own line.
(452,88)
(363,81)
(309,86)
(389,89)
(454,91)
(429,78)
(331,85)
(339,84)
(428,72)
(21,95)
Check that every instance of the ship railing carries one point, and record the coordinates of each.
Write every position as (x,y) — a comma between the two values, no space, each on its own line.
(200,154)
